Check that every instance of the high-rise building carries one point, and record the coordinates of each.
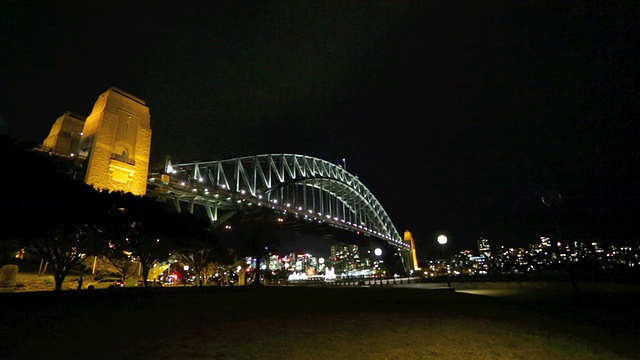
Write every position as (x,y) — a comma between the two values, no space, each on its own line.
(484,248)
(346,257)
(545,241)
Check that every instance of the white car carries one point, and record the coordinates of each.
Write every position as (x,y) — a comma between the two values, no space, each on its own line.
(105,283)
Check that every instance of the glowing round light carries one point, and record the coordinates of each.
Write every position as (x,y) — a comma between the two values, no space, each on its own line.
(377,251)
(442,239)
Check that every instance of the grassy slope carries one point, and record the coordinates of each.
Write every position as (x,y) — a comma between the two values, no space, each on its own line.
(314,323)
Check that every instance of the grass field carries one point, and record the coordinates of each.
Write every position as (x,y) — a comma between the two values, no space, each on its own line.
(317,323)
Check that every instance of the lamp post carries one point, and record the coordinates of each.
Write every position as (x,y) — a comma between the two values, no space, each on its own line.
(186,274)
(378,253)
(442,240)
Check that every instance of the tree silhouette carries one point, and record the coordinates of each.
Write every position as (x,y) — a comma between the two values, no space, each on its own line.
(139,227)
(51,214)
(553,200)
(259,238)
(195,243)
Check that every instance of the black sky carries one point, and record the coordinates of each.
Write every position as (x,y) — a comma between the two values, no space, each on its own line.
(458,116)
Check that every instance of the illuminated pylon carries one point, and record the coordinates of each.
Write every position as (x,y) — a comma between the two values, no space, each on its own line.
(116,141)
(414,259)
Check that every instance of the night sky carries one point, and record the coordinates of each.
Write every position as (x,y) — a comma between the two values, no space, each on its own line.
(458,116)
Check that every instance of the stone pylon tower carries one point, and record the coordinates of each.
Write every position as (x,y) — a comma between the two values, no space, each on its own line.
(64,137)
(116,141)
(413,258)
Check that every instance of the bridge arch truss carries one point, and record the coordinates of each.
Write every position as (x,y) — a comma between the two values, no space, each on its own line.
(310,188)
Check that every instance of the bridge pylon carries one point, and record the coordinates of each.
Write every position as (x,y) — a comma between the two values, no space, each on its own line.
(116,141)
(413,258)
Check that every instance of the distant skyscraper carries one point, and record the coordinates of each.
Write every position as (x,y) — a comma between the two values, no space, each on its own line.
(545,241)
(484,248)
(346,257)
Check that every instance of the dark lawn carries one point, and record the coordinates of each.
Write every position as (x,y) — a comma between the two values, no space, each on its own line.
(315,323)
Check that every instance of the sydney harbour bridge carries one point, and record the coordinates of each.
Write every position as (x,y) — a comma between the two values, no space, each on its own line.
(308,194)
(313,194)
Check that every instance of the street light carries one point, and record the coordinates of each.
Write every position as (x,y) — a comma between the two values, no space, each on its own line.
(186,274)
(378,253)
(442,240)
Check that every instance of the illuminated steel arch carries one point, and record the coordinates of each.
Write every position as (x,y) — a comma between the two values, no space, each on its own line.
(312,189)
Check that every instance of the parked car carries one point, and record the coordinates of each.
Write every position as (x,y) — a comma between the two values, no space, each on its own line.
(150,283)
(105,283)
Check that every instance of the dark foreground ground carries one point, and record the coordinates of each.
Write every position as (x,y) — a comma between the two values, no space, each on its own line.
(318,323)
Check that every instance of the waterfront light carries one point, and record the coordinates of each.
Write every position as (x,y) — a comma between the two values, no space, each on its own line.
(442,240)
